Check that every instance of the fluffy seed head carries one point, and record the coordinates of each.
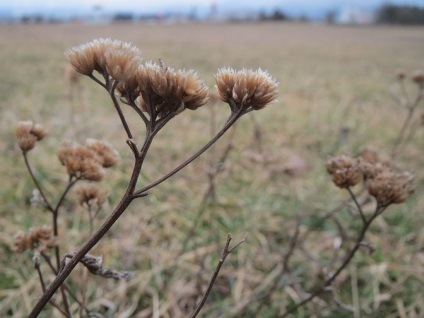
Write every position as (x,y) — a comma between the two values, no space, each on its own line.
(106,155)
(390,187)
(38,239)
(246,88)
(345,171)
(167,91)
(28,134)
(117,58)
(89,194)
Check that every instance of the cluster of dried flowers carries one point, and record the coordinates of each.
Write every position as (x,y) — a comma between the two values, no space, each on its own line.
(90,195)
(28,134)
(36,239)
(87,161)
(383,180)
(160,90)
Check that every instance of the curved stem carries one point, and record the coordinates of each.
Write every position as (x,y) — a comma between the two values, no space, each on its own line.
(358,206)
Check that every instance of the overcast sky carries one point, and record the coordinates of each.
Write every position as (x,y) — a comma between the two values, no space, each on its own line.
(155,5)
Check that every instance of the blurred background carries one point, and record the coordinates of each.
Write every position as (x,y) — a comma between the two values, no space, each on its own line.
(331,11)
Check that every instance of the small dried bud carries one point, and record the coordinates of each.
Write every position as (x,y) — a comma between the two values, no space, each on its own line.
(28,134)
(246,88)
(345,171)
(400,74)
(390,187)
(37,239)
(89,194)
(107,156)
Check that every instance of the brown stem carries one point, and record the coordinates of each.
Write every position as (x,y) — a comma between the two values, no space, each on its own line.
(411,110)
(34,179)
(224,255)
(358,206)
(233,118)
(119,110)
(346,261)
(114,216)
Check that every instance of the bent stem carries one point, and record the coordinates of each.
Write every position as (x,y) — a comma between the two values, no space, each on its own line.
(114,216)
(224,255)
(346,261)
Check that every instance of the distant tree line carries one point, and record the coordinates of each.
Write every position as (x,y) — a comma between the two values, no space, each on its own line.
(394,14)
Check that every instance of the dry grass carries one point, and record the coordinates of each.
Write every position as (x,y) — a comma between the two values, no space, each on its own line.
(332,79)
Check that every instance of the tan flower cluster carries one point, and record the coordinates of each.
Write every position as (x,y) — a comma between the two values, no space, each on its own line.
(165,91)
(28,134)
(38,239)
(246,88)
(345,171)
(87,161)
(390,186)
(89,194)
(384,181)
(119,59)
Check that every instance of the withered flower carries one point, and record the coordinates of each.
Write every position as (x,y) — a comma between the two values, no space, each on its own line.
(246,88)
(106,155)
(28,134)
(418,77)
(166,91)
(345,171)
(115,57)
(89,194)
(390,186)
(81,162)
(38,239)
(122,60)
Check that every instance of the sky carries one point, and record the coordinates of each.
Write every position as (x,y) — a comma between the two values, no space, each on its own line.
(149,6)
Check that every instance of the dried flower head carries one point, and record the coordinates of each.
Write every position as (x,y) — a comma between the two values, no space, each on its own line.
(38,239)
(107,156)
(390,186)
(418,77)
(81,162)
(115,57)
(166,91)
(89,194)
(345,171)
(122,60)
(246,88)
(28,134)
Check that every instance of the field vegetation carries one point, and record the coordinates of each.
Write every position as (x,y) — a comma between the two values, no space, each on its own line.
(339,93)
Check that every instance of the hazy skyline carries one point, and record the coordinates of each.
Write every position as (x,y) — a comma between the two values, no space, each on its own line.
(313,8)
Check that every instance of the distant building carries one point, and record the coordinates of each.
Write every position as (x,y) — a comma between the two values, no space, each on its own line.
(355,15)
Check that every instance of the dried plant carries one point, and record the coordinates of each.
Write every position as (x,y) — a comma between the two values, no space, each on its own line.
(410,104)
(156,93)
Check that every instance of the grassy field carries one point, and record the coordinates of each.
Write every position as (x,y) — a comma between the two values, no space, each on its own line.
(336,87)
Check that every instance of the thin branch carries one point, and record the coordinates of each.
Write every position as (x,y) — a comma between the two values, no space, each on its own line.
(97,81)
(358,206)
(119,110)
(229,123)
(224,255)
(346,261)
(37,184)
